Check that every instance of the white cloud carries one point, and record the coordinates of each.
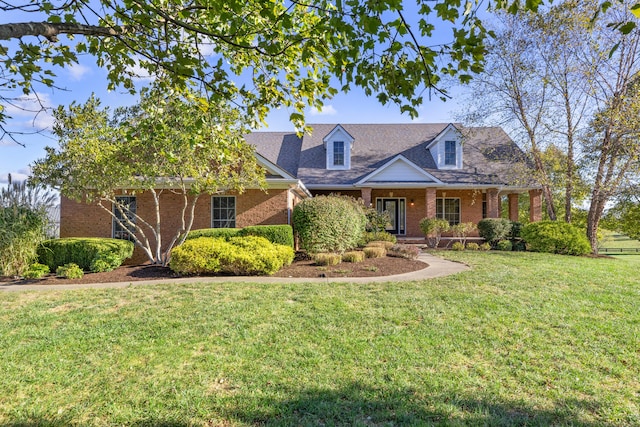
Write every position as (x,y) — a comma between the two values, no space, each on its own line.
(16,176)
(327,110)
(78,71)
(30,112)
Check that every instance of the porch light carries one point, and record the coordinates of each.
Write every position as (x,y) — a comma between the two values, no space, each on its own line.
(411,202)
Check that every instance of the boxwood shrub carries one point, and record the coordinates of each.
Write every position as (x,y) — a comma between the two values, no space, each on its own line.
(82,251)
(329,223)
(555,237)
(248,255)
(225,233)
(278,234)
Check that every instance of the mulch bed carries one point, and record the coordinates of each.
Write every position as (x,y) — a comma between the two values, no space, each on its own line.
(371,267)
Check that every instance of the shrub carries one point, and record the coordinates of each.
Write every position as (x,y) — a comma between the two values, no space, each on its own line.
(380,244)
(21,231)
(82,251)
(404,251)
(371,236)
(105,262)
(374,252)
(433,229)
(353,256)
(485,247)
(36,271)
(70,271)
(457,246)
(278,234)
(494,229)
(249,255)
(225,233)
(516,230)
(504,245)
(472,246)
(325,258)
(555,237)
(462,231)
(329,223)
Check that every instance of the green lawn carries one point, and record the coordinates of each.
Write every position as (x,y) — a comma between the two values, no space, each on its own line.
(523,339)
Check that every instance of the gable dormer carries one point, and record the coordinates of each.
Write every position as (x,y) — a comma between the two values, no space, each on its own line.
(338,145)
(446,148)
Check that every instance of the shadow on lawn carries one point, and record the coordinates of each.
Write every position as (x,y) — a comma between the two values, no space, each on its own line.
(359,405)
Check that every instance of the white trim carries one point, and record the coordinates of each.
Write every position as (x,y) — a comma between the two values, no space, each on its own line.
(443,132)
(403,159)
(333,131)
(272,167)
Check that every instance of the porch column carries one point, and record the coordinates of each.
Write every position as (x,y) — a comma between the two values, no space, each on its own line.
(366,196)
(493,203)
(430,203)
(514,213)
(535,205)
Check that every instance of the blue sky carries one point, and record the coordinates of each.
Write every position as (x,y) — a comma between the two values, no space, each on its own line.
(79,81)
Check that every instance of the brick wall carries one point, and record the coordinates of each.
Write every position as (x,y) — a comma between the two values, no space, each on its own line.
(253,207)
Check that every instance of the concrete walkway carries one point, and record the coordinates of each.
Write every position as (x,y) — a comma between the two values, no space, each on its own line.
(437,267)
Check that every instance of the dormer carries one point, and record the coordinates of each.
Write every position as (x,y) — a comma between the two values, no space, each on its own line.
(446,148)
(338,145)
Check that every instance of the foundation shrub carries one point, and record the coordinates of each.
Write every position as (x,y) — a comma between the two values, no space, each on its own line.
(225,233)
(105,262)
(246,256)
(404,251)
(504,245)
(457,246)
(326,259)
(82,251)
(472,246)
(36,271)
(380,244)
(555,237)
(374,252)
(433,229)
(329,223)
(376,236)
(353,256)
(21,231)
(278,234)
(485,247)
(494,229)
(70,271)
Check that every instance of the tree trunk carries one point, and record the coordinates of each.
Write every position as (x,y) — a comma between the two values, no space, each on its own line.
(51,30)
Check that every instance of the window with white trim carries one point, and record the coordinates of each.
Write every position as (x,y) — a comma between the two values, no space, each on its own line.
(338,153)
(450,155)
(449,209)
(123,225)
(223,211)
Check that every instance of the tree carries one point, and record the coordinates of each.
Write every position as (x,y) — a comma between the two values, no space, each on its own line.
(260,55)
(170,142)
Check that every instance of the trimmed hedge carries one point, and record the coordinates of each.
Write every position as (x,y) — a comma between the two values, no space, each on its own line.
(249,255)
(278,234)
(329,223)
(555,237)
(225,233)
(82,251)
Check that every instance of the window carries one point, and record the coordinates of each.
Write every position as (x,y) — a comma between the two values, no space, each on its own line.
(448,209)
(338,153)
(223,212)
(484,205)
(450,153)
(123,225)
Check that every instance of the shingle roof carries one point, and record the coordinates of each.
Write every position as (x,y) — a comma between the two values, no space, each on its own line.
(489,155)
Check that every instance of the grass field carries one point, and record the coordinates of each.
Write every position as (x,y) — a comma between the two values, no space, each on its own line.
(522,339)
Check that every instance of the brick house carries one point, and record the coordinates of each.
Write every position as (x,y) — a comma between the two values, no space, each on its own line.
(411,171)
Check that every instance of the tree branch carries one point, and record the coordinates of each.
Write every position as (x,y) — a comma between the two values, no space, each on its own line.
(51,30)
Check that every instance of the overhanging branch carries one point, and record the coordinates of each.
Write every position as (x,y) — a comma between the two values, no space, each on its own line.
(51,30)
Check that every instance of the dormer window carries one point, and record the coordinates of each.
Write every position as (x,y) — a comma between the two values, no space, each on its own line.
(450,158)
(338,153)
(339,145)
